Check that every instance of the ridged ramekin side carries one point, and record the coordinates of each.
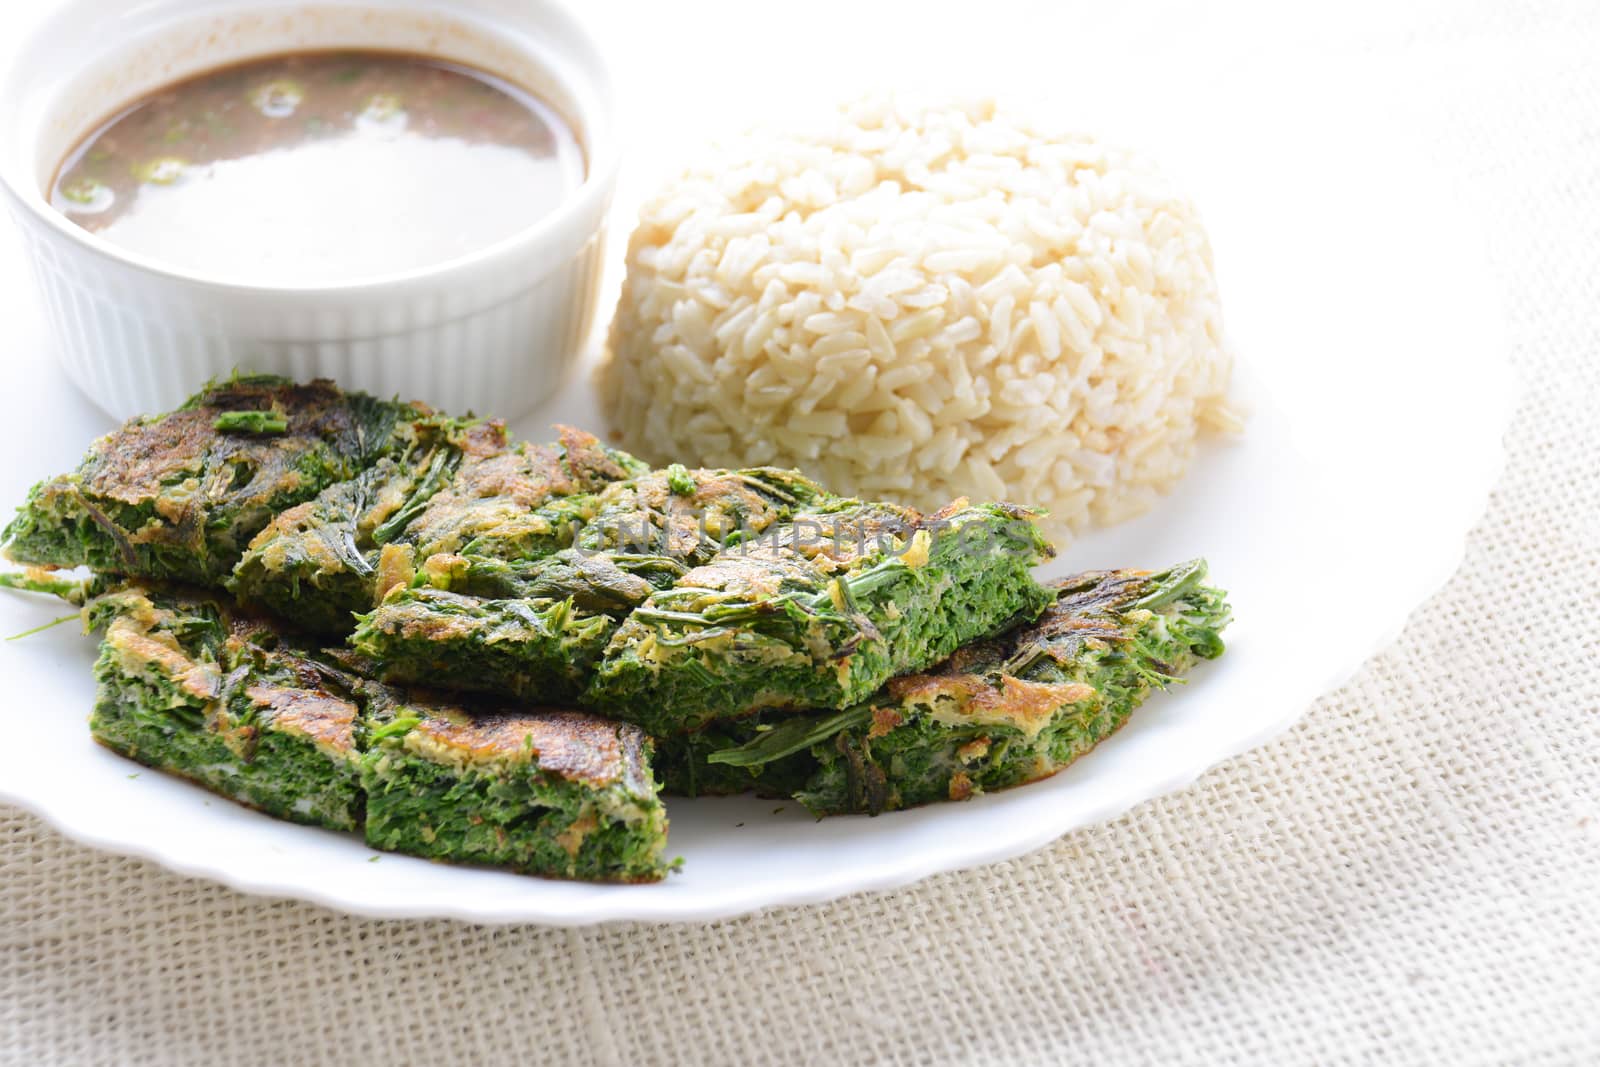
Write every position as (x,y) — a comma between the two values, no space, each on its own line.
(140,344)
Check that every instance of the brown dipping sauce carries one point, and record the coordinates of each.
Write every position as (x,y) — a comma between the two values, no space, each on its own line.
(321,167)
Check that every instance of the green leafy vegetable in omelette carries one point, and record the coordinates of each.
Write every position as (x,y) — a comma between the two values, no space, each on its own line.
(998,713)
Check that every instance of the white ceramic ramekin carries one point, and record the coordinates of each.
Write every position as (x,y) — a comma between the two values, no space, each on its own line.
(493,331)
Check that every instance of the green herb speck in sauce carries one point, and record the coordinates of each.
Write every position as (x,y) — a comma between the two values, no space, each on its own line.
(278,99)
(383,111)
(85,192)
(162,170)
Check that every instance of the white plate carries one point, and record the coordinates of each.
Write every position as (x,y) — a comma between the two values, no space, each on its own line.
(1370,353)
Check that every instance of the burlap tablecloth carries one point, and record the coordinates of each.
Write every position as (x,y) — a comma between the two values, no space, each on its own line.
(1408,876)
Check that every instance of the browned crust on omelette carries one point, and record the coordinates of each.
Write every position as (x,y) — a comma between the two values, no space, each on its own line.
(569,744)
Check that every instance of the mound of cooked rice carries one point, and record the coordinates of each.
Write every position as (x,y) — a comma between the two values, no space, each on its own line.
(917,303)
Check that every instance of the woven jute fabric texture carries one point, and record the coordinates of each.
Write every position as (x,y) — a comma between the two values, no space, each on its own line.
(1407,876)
